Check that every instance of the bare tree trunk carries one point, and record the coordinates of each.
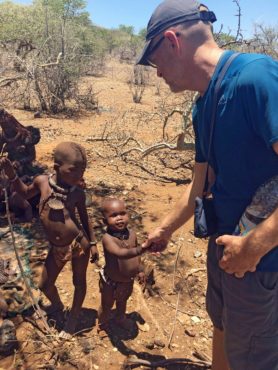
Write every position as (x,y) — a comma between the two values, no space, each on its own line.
(39,93)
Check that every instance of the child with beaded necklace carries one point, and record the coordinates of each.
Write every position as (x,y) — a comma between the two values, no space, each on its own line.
(68,239)
(122,264)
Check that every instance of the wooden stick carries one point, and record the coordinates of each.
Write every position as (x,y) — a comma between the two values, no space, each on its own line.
(164,363)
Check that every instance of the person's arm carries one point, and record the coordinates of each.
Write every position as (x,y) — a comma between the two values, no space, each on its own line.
(83,214)
(87,225)
(243,253)
(182,211)
(112,247)
(26,191)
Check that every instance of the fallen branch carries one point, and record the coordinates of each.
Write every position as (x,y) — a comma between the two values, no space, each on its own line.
(132,363)
(172,306)
(193,271)
(159,146)
(8,80)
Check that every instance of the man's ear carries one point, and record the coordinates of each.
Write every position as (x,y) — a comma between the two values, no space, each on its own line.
(56,166)
(275,147)
(173,39)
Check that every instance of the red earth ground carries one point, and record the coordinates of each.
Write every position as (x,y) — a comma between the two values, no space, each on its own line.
(170,320)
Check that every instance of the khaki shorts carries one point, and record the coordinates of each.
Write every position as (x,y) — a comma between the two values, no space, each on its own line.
(247,310)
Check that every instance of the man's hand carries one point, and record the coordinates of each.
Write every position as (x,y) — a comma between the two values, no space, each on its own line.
(157,241)
(94,255)
(238,257)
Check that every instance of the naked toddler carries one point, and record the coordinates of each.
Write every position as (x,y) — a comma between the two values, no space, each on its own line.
(122,264)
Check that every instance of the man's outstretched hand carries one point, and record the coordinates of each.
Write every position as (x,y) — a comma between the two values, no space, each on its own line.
(157,241)
(239,256)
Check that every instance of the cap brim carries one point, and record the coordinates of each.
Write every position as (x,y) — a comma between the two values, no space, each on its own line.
(143,58)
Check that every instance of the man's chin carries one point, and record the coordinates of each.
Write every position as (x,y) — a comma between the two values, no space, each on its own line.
(175,89)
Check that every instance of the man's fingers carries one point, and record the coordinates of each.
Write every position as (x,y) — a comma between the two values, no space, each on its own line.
(224,260)
(157,254)
(146,244)
(224,265)
(223,239)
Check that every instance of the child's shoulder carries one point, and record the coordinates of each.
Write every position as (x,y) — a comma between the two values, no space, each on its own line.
(40,179)
(106,236)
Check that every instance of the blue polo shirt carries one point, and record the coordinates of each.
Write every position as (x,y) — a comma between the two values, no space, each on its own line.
(245,128)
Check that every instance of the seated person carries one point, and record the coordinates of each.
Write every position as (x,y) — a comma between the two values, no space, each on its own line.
(19,144)
(122,264)
(21,208)
(60,197)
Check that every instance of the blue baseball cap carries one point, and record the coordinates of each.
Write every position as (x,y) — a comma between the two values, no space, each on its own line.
(170,13)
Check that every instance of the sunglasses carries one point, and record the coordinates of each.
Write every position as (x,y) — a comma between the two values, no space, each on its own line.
(155,47)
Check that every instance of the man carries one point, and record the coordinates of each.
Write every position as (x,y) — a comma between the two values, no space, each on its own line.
(242,294)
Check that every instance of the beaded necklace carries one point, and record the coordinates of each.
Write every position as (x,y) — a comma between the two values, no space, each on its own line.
(122,235)
(58,195)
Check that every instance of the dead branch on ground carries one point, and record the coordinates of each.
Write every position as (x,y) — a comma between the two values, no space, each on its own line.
(132,363)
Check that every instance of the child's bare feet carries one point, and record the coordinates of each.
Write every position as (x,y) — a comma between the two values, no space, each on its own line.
(102,329)
(53,308)
(55,311)
(125,323)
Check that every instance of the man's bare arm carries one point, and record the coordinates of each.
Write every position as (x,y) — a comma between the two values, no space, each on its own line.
(185,206)
(183,209)
(243,253)
(264,237)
